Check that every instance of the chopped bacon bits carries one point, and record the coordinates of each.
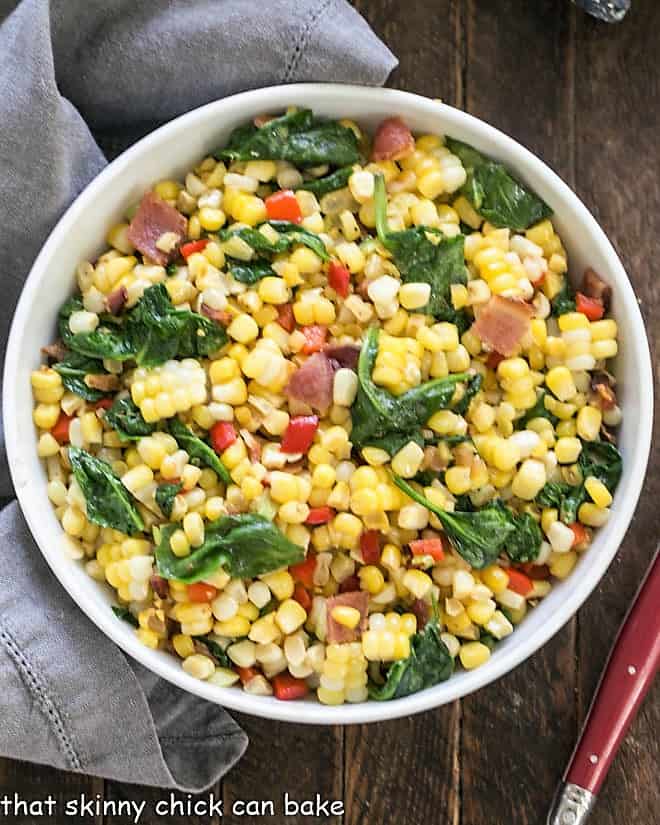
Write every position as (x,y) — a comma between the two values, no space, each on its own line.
(153,219)
(503,323)
(116,300)
(220,316)
(595,287)
(393,140)
(312,382)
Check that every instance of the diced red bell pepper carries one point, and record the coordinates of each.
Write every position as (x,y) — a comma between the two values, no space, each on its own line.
(339,278)
(299,434)
(428,547)
(223,435)
(303,572)
(349,585)
(287,687)
(593,308)
(519,582)
(246,674)
(537,572)
(301,595)
(60,431)
(580,535)
(188,249)
(285,317)
(370,546)
(283,206)
(493,360)
(103,404)
(320,515)
(202,592)
(315,336)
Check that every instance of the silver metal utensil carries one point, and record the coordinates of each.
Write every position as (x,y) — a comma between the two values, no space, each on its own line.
(611,11)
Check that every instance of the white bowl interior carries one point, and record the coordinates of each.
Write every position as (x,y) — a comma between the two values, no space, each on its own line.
(171,151)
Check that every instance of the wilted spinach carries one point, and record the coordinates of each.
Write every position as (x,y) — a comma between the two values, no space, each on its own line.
(539,410)
(165,495)
(421,260)
(298,137)
(564,300)
(215,650)
(386,420)
(329,183)
(494,193)
(472,388)
(73,370)
(125,417)
(245,545)
(108,502)
(524,544)
(153,332)
(289,234)
(198,450)
(125,614)
(428,664)
(599,459)
(250,272)
(478,536)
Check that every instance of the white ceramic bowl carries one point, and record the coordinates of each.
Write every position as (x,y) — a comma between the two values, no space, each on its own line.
(172,150)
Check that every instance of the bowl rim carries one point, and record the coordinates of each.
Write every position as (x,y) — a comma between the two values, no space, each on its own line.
(312,712)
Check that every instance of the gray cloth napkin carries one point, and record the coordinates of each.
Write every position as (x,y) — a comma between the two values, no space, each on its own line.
(67,68)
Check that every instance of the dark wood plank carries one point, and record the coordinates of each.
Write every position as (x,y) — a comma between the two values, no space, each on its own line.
(617,123)
(300,760)
(36,783)
(518,733)
(406,771)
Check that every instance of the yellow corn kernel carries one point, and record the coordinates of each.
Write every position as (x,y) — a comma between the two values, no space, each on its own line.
(562,564)
(280,583)
(560,382)
(572,321)
(568,450)
(599,493)
(346,616)
(603,330)
(481,612)
(148,638)
(45,415)
(273,290)
(473,654)
(506,454)
(417,582)
(589,420)
(592,515)
(167,189)
(179,544)
(606,348)
(211,219)
(243,329)
(183,645)
(371,579)
(290,616)
(458,480)
(407,461)
(495,578)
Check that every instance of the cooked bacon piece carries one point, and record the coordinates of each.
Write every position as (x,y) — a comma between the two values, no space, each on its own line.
(595,287)
(220,316)
(116,300)
(422,611)
(602,384)
(503,323)
(102,381)
(344,355)
(262,120)
(312,383)
(153,219)
(338,633)
(160,586)
(393,140)
(57,351)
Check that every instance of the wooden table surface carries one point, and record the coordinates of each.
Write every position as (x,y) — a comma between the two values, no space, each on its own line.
(586,98)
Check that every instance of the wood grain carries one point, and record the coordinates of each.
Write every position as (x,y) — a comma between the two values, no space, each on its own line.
(517,734)
(617,125)
(298,759)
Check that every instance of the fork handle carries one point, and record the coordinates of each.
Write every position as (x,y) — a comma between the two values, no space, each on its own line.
(628,675)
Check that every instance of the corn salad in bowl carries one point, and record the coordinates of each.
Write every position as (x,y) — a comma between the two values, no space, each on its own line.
(328,415)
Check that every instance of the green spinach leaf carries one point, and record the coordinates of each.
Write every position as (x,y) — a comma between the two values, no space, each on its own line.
(329,183)
(125,417)
(198,450)
(125,614)
(429,664)
(165,495)
(246,546)
(289,235)
(152,332)
(478,536)
(524,544)
(108,502)
(215,650)
(298,137)
(494,193)
(472,388)
(564,300)
(378,416)
(250,272)
(73,370)
(420,260)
